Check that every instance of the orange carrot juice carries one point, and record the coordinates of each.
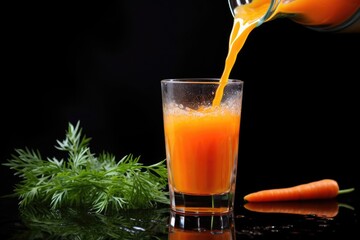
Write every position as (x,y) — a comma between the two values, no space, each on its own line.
(327,14)
(203,147)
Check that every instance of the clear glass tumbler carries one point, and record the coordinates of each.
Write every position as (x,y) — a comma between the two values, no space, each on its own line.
(201,142)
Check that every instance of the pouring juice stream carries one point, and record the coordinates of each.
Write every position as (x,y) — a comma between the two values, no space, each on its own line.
(320,15)
(246,19)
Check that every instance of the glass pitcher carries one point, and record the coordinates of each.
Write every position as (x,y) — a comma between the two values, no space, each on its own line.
(320,15)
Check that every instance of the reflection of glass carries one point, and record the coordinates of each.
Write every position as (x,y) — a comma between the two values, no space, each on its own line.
(191,227)
(321,208)
(201,143)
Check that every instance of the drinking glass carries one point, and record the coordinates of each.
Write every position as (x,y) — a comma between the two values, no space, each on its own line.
(201,142)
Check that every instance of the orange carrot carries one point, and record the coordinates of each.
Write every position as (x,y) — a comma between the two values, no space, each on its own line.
(322,189)
(320,208)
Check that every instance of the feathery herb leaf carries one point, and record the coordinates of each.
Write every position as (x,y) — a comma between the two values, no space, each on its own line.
(84,179)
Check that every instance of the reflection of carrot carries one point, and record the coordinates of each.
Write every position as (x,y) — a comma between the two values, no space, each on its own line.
(322,189)
(321,208)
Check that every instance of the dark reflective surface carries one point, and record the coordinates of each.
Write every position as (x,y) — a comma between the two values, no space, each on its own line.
(294,220)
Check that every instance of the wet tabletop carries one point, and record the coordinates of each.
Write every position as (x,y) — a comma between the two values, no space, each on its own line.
(330,219)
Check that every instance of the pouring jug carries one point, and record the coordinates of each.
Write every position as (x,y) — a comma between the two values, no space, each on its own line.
(319,15)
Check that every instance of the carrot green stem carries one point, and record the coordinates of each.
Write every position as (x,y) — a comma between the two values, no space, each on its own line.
(346,190)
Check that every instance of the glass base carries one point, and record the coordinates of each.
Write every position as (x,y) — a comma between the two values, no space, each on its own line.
(208,204)
(201,223)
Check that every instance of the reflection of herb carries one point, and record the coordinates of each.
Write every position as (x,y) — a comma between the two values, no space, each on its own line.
(98,183)
(76,223)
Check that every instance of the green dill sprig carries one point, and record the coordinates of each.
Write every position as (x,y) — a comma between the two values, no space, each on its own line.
(84,179)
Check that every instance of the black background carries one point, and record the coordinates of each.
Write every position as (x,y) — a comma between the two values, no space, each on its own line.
(101,62)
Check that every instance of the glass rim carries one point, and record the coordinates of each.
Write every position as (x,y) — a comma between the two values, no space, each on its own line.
(200,80)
